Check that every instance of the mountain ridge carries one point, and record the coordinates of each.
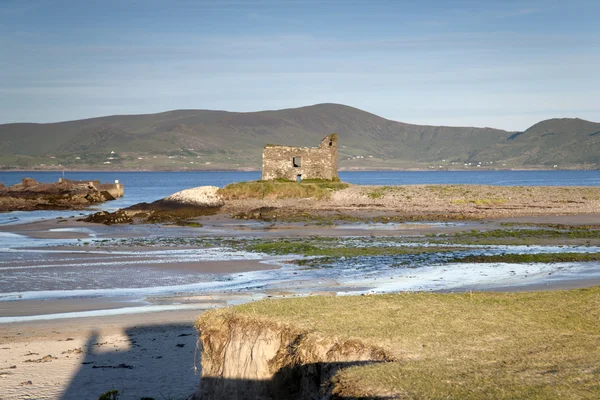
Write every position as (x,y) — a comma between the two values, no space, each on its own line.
(208,139)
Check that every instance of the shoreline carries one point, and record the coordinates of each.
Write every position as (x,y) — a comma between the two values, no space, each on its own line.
(145,344)
(341,169)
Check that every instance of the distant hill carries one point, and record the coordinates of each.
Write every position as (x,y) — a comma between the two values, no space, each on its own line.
(204,139)
(564,142)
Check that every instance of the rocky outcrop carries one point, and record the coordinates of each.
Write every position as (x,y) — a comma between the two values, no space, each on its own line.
(177,208)
(31,195)
(245,358)
(203,196)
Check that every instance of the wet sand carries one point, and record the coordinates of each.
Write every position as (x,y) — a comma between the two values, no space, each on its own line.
(223,225)
(531,287)
(103,256)
(45,307)
(559,285)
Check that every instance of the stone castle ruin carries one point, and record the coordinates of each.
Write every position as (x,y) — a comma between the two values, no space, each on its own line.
(297,163)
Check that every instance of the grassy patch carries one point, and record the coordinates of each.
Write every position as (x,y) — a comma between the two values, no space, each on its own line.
(309,249)
(335,218)
(283,247)
(318,189)
(325,251)
(481,202)
(531,258)
(191,224)
(334,184)
(542,345)
(382,191)
(551,226)
(534,233)
(379,192)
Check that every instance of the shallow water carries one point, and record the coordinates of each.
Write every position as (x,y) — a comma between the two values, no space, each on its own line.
(133,274)
(41,274)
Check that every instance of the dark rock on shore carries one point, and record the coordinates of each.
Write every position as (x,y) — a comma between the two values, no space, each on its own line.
(31,195)
(178,208)
(262,213)
(108,218)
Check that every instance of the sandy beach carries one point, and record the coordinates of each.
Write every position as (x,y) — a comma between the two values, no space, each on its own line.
(150,355)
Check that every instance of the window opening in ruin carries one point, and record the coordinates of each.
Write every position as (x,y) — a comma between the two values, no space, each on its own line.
(330,143)
(296,161)
(298,178)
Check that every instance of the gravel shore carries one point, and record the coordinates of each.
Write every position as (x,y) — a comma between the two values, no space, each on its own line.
(446,201)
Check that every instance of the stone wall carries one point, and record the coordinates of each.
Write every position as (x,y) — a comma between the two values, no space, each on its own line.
(286,162)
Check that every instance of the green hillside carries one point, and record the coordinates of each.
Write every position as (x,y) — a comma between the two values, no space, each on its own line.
(204,139)
(563,142)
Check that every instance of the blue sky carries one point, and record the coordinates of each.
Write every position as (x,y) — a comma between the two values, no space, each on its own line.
(505,64)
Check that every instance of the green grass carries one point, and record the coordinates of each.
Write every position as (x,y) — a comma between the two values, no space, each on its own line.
(482,202)
(532,233)
(539,345)
(549,225)
(278,189)
(531,258)
(283,247)
(382,191)
(190,224)
(339,218)
(377,193)
(309,249)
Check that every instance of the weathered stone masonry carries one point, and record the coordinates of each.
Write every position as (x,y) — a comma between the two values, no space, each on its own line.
(293,163)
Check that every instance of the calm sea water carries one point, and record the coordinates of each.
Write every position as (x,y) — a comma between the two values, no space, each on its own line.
(150,186)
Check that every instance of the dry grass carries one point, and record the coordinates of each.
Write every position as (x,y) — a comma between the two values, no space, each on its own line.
(541,345)
(481,202)
(316,189)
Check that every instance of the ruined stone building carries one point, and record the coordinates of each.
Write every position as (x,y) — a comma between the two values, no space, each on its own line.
(297,163)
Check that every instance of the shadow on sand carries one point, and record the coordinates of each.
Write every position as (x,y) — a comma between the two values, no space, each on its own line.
(305,381)
(157,362)
(153,361)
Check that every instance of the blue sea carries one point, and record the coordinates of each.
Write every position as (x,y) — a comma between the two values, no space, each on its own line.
(150,186)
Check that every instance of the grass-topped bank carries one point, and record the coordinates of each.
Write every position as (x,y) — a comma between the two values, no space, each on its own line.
(539,345)
(332,202)
(281,189)
(325,202)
